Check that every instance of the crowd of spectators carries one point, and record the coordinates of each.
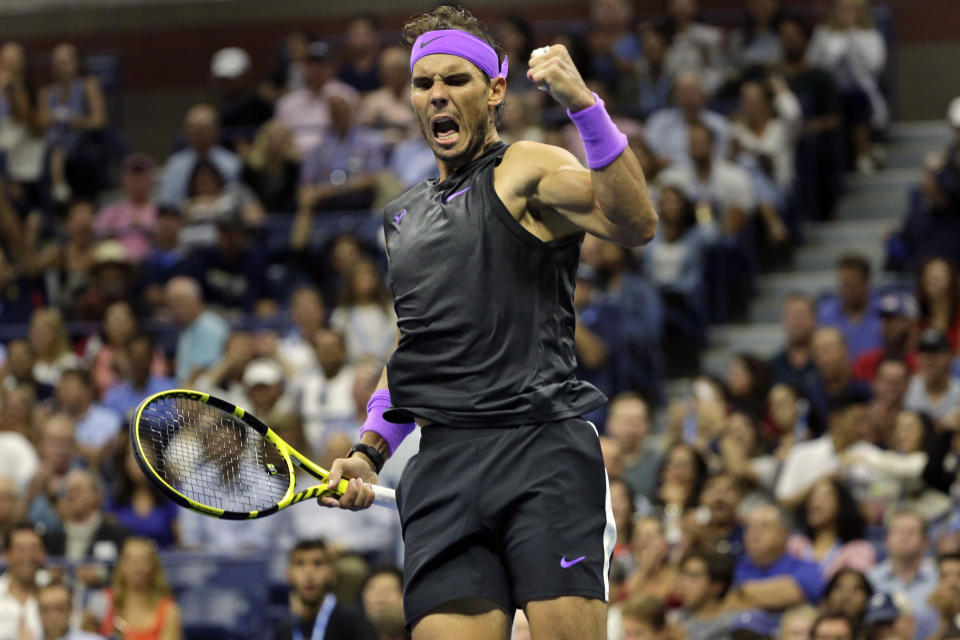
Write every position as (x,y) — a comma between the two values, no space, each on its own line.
(812,495)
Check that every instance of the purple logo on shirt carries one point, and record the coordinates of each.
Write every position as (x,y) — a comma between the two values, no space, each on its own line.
(400,215)
(458,193)
(566,564)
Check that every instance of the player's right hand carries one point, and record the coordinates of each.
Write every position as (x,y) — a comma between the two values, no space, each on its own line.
(359,494)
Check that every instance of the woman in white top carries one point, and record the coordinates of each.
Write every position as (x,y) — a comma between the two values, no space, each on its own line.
(853,51)
(48,337)
(365,315)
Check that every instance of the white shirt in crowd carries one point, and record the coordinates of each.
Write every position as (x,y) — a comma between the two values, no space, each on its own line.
(13,614)
(370,330)
(917,399)
(326,405)
(777,139)
(18,459)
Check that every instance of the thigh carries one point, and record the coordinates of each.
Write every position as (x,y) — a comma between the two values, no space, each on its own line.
(567,618)
(468,619)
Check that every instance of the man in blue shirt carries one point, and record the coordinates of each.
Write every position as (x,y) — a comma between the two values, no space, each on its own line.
(767,577)
(96,426)
(203,333)
(853,310)
(202,130)
(124,396)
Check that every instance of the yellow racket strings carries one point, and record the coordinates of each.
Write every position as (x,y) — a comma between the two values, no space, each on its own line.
(212,457)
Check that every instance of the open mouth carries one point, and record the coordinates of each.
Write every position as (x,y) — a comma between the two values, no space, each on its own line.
(445,130)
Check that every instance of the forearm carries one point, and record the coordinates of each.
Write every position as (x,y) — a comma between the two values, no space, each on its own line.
(772,594)
(591,350)
(620,190)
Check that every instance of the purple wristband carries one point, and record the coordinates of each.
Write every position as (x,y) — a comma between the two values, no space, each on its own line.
(601,138)
(392,432)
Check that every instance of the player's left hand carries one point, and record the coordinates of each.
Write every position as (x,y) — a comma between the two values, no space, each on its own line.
(554,69)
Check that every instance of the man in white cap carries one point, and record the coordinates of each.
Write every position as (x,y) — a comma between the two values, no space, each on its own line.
(263,382)
(242,110)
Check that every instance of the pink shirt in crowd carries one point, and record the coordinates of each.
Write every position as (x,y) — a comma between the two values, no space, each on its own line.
(129,224)
(307,115)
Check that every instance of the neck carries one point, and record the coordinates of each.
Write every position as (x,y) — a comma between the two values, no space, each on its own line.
(854,307)
(449,167)
(140,381)
(826,536)
(309,609)
(836,381)
(140,200)
(937,384)
(905,568)
(22,590)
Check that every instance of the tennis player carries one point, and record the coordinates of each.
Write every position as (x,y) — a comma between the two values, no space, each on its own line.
(506,505)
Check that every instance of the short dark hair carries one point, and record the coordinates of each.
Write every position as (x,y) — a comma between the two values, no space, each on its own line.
(719,567)
(21,526)
(58,584)
(834,615)
(646,609)
(953,556)
(861,578)
(80,374)
(856,262)
(309,544)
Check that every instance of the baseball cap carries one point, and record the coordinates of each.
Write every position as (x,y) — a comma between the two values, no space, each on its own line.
(110,252)
(894,305)
(229,63)
(262,371)
(881,608)
(318,50)
(933,341)
(953,112)
(138,163)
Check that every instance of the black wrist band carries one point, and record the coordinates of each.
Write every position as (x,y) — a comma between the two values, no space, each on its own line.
(375,456)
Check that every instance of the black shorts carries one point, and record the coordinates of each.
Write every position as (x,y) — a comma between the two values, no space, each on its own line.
(506,514)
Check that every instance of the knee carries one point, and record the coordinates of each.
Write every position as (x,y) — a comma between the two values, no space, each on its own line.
(567,618)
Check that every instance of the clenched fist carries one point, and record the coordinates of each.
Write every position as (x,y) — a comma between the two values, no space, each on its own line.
(553,69)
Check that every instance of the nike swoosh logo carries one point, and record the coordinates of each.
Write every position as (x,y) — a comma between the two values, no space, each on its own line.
(400,215)
(423,44)
(566,564)
(458,193)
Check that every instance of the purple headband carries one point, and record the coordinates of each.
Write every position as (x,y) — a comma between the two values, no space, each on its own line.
(462,44)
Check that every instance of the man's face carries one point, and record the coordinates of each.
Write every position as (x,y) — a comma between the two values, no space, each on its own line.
(950,574)
(765,538)
(382,593)
(20,359)
(890,383)
(896,330)
(629,422)
(694,583)
(310,575)
(72,394)
(56,446)
(701,146)
(852,287)
(793,40)
(331,353)
(799,320)
(265,396)
(934,365)
(141,358)
(452,100)
(829,352)
(783,406)
(81,498)
(137,184)
(25,556)
(55,609)
(849,425)
(8,501)
(201,128)
(689,93)
(722,496)
(833,630)
(905,538)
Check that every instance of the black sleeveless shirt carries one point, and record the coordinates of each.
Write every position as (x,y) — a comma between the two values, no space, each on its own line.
(484,308)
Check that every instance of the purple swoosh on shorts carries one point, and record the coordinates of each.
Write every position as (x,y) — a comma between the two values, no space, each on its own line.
(458,193)
(400,215)
(566,564)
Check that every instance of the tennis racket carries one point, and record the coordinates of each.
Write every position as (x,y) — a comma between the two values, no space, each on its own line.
(213,457)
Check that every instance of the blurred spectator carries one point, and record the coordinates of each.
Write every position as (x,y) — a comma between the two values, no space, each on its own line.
(224,377)
(742,453)
(382,599)
(131,220)
(598,330)
(290,72)
(88,532)
(694,44)
(201,126)
(767,577)
(649,86)
(365,315)
(57,449)
(12,508)
(388,108)
(305,110)
(324,395)
(111,280)
(715,184)
(854,310)
(107,350)
(55,603)
(612,46)
(938,298)
(644,618)
(73,111)
(833,531)
(667,130)
(698,418)
(907,571)
(136,506)
(313,607)
(704,581)
(242,110)
(340,171)
(755,46)
(931,226)
(654,575)
(832,380)
(21,139)
(515,34)
(165,259)
(889,390)
(718,528)
(796,623)
(70,260)
(20,410)
(20,291)
(933,389)
(263,380)
(272,168)
(612,454)
(232,272)
(748,382)
(202,333)
(19,368)
(18,458)
(794,365)
(308,314)
(853,51)
(834,626)
(946,597)
(25,558)
(628,422)
(96,426)
(361,53)
(139,603)
(808,462)
(681,476)
(884,620)
(212,199)
(850,592)
(140,379)
(413,161)
(898,314)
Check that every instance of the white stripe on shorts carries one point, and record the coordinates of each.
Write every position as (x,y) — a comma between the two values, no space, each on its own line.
(609,531)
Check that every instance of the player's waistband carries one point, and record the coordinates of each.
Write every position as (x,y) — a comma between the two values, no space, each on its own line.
(437,435)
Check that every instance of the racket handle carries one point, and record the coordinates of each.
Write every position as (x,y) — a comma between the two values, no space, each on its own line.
(533,54)
(384,497)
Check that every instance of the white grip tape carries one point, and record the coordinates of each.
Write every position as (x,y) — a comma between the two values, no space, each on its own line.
(384,497)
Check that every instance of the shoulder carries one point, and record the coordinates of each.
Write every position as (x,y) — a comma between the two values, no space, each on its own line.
(525,161)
